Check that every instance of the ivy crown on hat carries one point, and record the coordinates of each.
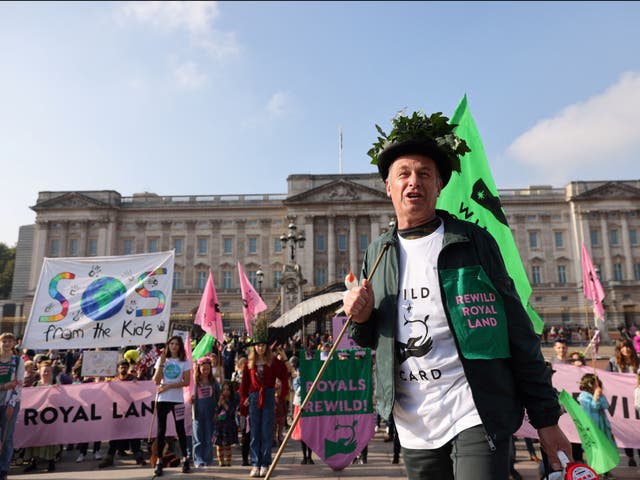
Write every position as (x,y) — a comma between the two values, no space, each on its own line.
(260,331)
(428,135)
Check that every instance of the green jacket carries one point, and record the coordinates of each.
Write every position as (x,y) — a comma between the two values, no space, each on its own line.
(503,381)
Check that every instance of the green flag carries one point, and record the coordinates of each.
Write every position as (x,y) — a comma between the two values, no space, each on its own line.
(602,454)
(205,345)
(472,195)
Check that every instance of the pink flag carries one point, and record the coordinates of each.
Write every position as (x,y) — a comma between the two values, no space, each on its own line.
(189,392)
(252,304)
(591,284)
(208,315)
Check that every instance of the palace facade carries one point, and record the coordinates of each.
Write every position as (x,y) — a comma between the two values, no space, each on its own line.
(338,215)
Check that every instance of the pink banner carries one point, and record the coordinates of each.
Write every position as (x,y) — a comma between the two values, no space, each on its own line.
(86,412)
(618,388)
(346,343)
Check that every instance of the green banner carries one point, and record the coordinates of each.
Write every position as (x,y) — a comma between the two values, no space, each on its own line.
(344,389)
(602,454)
(472,195)
(205,346)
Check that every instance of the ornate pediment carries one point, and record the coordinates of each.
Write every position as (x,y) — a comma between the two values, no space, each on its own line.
(610,191)
(70,200)
(339,191)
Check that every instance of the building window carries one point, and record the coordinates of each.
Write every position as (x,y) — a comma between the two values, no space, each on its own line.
(636,271)
(253,245)
(565,317)
(227,279)
(202,246)
(227,245)
(617,272)
(533,239)
(128,246)
(277,277)
(178,245)
(535,275)
(342,242)
(73,247)
(343,271)
(153,245)
(320,243)
(253,278)
(321,277)
(93,247)
(559,240)
(201,279)
(54,249)
(633,236)
(364,242)
(562,274)
(613,237)
(177,280)
(595,238)
(277,245)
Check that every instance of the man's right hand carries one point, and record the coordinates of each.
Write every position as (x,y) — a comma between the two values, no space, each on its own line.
(358,303)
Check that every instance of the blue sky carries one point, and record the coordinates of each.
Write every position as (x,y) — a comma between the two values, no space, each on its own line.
(232,97)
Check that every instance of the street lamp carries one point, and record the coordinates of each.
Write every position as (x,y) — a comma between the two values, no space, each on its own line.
(259,278)
(293,239)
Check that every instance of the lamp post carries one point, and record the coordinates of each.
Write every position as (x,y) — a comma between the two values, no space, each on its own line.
(293,240)
(259,278)
(292,280)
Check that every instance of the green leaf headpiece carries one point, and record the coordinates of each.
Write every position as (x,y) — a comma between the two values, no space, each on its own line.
(427,135)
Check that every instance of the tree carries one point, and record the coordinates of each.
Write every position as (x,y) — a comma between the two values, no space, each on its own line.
(7,262)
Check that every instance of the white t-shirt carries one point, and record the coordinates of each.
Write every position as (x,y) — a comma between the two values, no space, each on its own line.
(433,398)
(173,372)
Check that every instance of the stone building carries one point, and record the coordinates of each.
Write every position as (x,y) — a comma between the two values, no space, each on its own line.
(338,215)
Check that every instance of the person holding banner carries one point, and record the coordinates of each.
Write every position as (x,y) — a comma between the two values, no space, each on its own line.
(172,373)
(11,375)
(457,357)
(257,396)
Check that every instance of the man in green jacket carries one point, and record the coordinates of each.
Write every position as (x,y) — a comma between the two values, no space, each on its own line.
(457,358)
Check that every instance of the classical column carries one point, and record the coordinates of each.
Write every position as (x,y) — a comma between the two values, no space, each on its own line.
(606,251)
(375,226)
(84,238)
(39,251)
(141,227)
(216,247)
(307,251)
(64,239)
(626,248)
(331,250)
(165,236)
(353,245)
(189,254)
(105,231)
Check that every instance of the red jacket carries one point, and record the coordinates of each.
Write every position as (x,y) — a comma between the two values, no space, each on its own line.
(252,383)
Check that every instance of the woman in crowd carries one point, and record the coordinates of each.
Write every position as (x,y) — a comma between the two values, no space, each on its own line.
(47,452)
(258,396)
(625,360)
(204,408)
(172,373)
(11,375)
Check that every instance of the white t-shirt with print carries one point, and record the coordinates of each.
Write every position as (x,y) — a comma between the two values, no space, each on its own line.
(174,369)
(433,398)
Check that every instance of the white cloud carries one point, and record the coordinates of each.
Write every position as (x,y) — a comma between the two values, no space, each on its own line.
(597,131)
(196,18)
(279,104)
(188,75)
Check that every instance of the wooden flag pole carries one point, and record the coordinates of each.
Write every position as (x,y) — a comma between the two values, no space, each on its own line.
(312,389)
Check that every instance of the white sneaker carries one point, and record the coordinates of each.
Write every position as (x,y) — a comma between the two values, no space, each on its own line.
(255,472)
(97,455)
(263,471)
(80,458)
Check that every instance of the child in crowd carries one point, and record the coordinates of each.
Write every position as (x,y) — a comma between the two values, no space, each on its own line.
(227,430)
(205,401)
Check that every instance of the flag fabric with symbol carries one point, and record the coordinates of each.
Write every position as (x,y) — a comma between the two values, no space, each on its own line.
(208,315)
(252,304)
(591,284)
(472,195)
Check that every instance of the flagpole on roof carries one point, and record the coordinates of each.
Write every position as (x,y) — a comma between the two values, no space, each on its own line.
(340,150)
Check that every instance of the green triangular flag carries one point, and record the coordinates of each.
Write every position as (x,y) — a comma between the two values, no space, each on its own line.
(472,195)
(205,346)
(602,454)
